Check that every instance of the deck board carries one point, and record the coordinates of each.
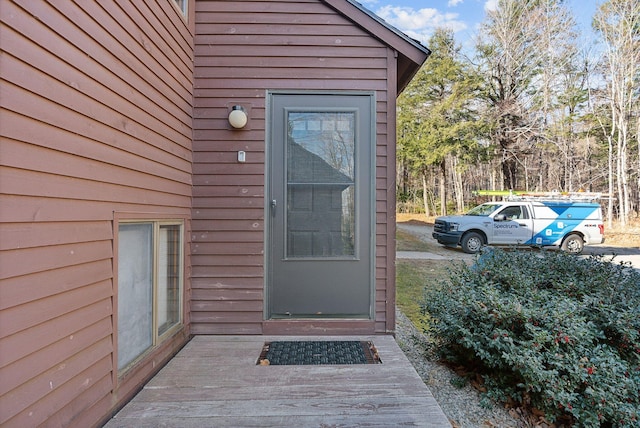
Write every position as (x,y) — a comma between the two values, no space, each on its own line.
(214,382)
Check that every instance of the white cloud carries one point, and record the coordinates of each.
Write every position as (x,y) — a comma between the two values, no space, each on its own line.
(453,3)
(419,24)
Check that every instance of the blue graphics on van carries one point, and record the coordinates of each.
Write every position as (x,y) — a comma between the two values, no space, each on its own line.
(571,210)
(569,216)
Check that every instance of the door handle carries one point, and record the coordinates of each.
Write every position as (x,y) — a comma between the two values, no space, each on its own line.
(273,207)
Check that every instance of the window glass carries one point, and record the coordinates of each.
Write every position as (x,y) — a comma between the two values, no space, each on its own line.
(321,188)
(135,291)
(512,213)
(169,272)
(149,286)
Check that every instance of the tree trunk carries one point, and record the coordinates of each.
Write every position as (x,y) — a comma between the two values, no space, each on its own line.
(443,188)
(425,195)
(458,185)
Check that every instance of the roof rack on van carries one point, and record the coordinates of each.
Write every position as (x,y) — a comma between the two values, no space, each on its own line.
(518,195)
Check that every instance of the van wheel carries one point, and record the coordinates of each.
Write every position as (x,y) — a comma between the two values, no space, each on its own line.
(472,242)
(572,244)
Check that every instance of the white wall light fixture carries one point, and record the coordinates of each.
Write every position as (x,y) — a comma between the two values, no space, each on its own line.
(238,117)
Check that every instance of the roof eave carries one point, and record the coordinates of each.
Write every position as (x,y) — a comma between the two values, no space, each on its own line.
(411,53)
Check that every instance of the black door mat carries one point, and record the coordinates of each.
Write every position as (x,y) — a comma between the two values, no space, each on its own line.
(289,353)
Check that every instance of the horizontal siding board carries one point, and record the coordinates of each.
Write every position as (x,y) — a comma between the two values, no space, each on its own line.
(229,224)
(230,202)
(227,213)
(45,234)
(227,260)
(228,156)
(40,386)
(226,295)
(72,51)
(27,288)
(279,25)
(41,335)
(309,40)
(240,237)
(31,157)
(92,402)
(148,38)
(210,179)
(226,306)
(32,365)
(301,52)
(73,114)
(39,259)
(177,25)
(284,63)
(224,328)
(204,142)
(106,154)
(31,183)
(229,190)
(212,249)
(298,81)
(209,271)
(92,379)
(38,208)
(226,317)
(267,73)
(110,42)
(258,8)
(119,134)
(229,169)
(25,316)
(232,283)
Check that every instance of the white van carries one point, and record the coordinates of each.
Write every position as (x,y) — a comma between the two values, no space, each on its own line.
(567,224)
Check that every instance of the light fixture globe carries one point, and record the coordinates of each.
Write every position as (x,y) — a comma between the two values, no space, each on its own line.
(238,117)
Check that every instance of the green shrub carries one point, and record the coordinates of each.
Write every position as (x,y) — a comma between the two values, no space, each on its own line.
(548,330)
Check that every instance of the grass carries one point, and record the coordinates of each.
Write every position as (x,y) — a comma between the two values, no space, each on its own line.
(411,277)
(407,242)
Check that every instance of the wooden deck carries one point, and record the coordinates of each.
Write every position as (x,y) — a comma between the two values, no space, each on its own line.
(214,382)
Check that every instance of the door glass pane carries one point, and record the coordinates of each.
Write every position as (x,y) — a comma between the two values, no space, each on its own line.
(135,291)
(169,267)
(320,187)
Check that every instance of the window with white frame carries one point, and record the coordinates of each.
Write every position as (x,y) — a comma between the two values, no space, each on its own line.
(150,271)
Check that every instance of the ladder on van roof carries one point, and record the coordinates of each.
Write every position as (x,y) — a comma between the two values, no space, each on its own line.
(518,195)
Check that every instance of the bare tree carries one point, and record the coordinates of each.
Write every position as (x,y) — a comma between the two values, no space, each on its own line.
(618,23)
(507,50)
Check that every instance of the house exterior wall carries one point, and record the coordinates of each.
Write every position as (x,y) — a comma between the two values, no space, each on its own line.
(243,49)
(96,124)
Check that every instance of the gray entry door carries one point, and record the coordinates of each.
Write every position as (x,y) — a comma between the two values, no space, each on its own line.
(320,203)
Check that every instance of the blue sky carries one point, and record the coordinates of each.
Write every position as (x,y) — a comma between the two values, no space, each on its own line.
(418,18)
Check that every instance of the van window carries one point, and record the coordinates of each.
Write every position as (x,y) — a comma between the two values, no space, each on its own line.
(512,213)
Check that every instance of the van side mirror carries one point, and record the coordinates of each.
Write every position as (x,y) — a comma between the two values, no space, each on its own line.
(500,217)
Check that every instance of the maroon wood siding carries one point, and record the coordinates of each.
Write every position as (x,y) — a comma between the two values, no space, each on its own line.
(243,49)
(96,119)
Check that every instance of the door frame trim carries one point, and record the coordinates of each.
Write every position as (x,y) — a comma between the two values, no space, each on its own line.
(267,202)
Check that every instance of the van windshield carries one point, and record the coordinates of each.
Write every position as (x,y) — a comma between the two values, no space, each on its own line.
(483,210)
